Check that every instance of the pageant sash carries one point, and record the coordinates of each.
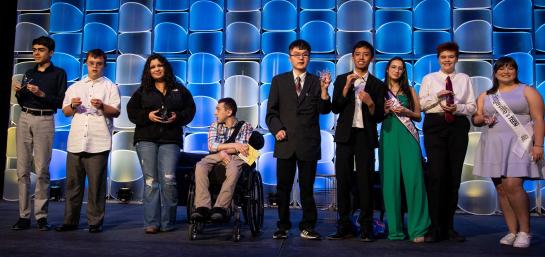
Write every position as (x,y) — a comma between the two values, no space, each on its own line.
(406,121)
(524,135)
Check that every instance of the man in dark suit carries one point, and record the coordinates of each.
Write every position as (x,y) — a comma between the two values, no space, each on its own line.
(358,98)
(295,101)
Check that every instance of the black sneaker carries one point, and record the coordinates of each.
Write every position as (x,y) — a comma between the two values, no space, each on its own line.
(95,228)
(43,225)
(21,224)
(309,233)
(218,215)
(280,234)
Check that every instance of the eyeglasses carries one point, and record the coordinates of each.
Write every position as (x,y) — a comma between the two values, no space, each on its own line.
(300,56)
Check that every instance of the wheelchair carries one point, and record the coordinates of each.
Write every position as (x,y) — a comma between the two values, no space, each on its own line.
(247,199)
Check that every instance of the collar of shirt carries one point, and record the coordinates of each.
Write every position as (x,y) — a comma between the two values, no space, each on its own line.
(302,76)
(48,69)
(444,75)
(364,82)
(364,77)
(223,124)
(87,79)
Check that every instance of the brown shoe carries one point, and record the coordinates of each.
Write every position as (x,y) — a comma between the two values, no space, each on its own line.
(151,230)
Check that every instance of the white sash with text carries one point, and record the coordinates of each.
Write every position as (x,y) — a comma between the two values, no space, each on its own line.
(406,121)
(524,135)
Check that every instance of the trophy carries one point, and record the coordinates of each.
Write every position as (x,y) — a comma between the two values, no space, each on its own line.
(164,114)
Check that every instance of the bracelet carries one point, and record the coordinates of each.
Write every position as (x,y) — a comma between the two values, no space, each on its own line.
(538,146)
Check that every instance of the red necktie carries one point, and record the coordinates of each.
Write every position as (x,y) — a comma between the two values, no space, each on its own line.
(449,117)
(298,85)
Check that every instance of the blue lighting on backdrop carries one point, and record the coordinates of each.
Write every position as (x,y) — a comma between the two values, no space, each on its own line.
(234,47)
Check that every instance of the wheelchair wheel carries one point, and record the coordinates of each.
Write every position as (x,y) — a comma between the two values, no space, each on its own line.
(261,208)
(192,231)
(236,231)
(255,204)
(190,208)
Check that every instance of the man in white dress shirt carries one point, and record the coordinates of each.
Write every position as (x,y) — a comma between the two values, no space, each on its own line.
(93,102)
(447,98)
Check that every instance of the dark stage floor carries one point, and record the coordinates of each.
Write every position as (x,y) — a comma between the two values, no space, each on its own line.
(124,236)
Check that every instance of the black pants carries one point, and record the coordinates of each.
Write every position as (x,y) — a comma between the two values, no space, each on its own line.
(285,173)
(359,147)
(446,145)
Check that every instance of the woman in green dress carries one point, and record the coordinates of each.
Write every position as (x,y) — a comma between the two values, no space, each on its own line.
(401,158)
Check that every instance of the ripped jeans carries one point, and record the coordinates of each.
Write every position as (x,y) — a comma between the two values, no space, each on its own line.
(158,163)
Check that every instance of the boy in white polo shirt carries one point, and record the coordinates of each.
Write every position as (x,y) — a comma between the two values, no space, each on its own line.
(93,101)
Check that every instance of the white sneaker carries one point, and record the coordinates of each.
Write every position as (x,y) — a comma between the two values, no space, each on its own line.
(508,239)
(523,240)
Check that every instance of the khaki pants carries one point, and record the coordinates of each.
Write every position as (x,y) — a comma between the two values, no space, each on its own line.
(203,168)
(34,136)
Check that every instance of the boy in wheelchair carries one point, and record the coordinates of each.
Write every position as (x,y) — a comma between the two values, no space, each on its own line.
(227,137)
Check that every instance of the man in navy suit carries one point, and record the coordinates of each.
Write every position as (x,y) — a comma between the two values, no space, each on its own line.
(295,102)
(358,98)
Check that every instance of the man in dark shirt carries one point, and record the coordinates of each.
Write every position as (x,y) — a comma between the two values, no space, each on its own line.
(39,94)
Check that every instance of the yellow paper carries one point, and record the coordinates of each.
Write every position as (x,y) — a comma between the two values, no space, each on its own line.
(253,154)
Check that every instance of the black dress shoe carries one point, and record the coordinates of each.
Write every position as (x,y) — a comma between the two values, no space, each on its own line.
(341,234)
(21,224)
(280,234)
(200,214)
(66,227)
(95,228)
(367,237)
(433,236)
(454,236)
(43,225)
(431,239)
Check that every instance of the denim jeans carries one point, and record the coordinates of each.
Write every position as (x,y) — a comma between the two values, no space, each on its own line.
(158,163)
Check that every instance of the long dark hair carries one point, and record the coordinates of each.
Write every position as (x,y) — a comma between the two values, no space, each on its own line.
(403,81)
(503,61)
(148,82)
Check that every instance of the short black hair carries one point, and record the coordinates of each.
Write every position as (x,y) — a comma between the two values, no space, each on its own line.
(301,44)
(229,104)
(45,41)
(96,53)
(365,44)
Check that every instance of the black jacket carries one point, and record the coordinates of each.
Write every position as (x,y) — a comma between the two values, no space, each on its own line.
(299,116)
(142,102)
(344,106)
